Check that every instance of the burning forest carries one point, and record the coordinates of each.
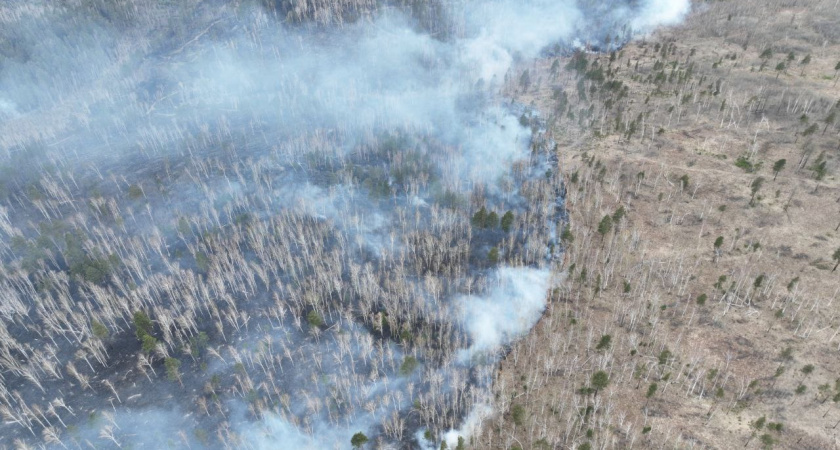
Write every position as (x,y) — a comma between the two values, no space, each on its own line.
(275,224)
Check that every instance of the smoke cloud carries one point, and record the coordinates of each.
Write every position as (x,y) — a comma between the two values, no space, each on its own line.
(513,305)
(655,13)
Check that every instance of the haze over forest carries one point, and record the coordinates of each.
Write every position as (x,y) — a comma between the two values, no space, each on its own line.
(324,224)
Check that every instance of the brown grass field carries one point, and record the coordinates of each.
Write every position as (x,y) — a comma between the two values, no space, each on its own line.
(686,145)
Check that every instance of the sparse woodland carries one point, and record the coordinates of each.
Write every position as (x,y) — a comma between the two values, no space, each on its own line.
(701,167)
(207,235)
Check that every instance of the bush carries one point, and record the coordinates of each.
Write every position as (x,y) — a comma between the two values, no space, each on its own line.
(567,237)
(684,182)
(172,365)
(517,414)
(493,255)
(408,365)
(198,344)
(600,380)
(202,261)
(605,225)
(99,330)
(743,163)
(149,343)
(664,356)
(479,217)
(143,331)
(358,440)
(651,390)
(604,343)
(315,320)
(507,221)
(620,212)
(492,220)
(767,441)
(143,324)
(134,192)
(489,219)
(461,445)
(95,269)
(449,199)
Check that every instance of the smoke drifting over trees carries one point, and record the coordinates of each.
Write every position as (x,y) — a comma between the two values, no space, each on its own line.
(251,223)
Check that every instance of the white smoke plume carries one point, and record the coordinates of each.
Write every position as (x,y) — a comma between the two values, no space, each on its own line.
(656,13)
(512,306)
(7,109)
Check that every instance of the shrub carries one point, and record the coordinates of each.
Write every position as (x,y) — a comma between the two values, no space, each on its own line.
(358,440)
(651,390)
(493,255)
(142,324)
(202,261)
(743,163)
(605,225)
(315,320)
(567,237)
(604,343)
(148,343)
(767,441)
(600,380)
(479,217)
(134,192)
(172,366)
(408,365)
(198,344)
(517,413)
(99,330)
(664,356)
(684,182)
(507,221)
(492,220)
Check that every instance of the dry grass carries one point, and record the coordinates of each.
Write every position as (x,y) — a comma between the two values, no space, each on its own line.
(722,373)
